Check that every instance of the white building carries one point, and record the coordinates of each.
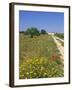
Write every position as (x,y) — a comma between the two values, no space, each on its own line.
(51,33)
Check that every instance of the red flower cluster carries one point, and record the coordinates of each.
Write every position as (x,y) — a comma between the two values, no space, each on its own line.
(54,57)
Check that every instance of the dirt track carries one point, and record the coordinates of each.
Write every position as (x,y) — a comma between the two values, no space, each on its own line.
(59,46)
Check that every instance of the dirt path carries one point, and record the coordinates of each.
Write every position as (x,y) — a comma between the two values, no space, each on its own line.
(60,47)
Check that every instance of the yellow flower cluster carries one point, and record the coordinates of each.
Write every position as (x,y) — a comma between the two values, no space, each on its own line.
(39,67)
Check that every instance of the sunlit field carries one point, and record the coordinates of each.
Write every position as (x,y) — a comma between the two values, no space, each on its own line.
(39,57)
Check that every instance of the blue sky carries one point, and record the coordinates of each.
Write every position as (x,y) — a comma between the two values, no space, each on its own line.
(50,21)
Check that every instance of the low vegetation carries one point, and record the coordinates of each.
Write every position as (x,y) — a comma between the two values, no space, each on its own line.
(60,35)
(39,57)
(40,67)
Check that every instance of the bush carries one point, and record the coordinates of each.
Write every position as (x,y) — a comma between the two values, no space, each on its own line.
(43,31)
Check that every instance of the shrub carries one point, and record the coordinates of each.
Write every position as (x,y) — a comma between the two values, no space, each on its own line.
(60,35)
(43,31)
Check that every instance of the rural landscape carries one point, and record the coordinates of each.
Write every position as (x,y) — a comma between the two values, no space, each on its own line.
(41,52)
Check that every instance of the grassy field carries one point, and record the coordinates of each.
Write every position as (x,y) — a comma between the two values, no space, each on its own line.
(39,57)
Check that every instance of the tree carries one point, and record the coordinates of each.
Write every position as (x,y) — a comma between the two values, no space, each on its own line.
(43,31)
(32,31)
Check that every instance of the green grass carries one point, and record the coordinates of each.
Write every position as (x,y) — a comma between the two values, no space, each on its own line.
(39,57)
(60,35)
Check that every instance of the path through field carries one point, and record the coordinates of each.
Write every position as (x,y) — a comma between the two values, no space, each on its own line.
(60,47)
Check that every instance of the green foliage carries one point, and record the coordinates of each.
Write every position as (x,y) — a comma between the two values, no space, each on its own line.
(39,57)
(32,32)
(43,31)
(60,35)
